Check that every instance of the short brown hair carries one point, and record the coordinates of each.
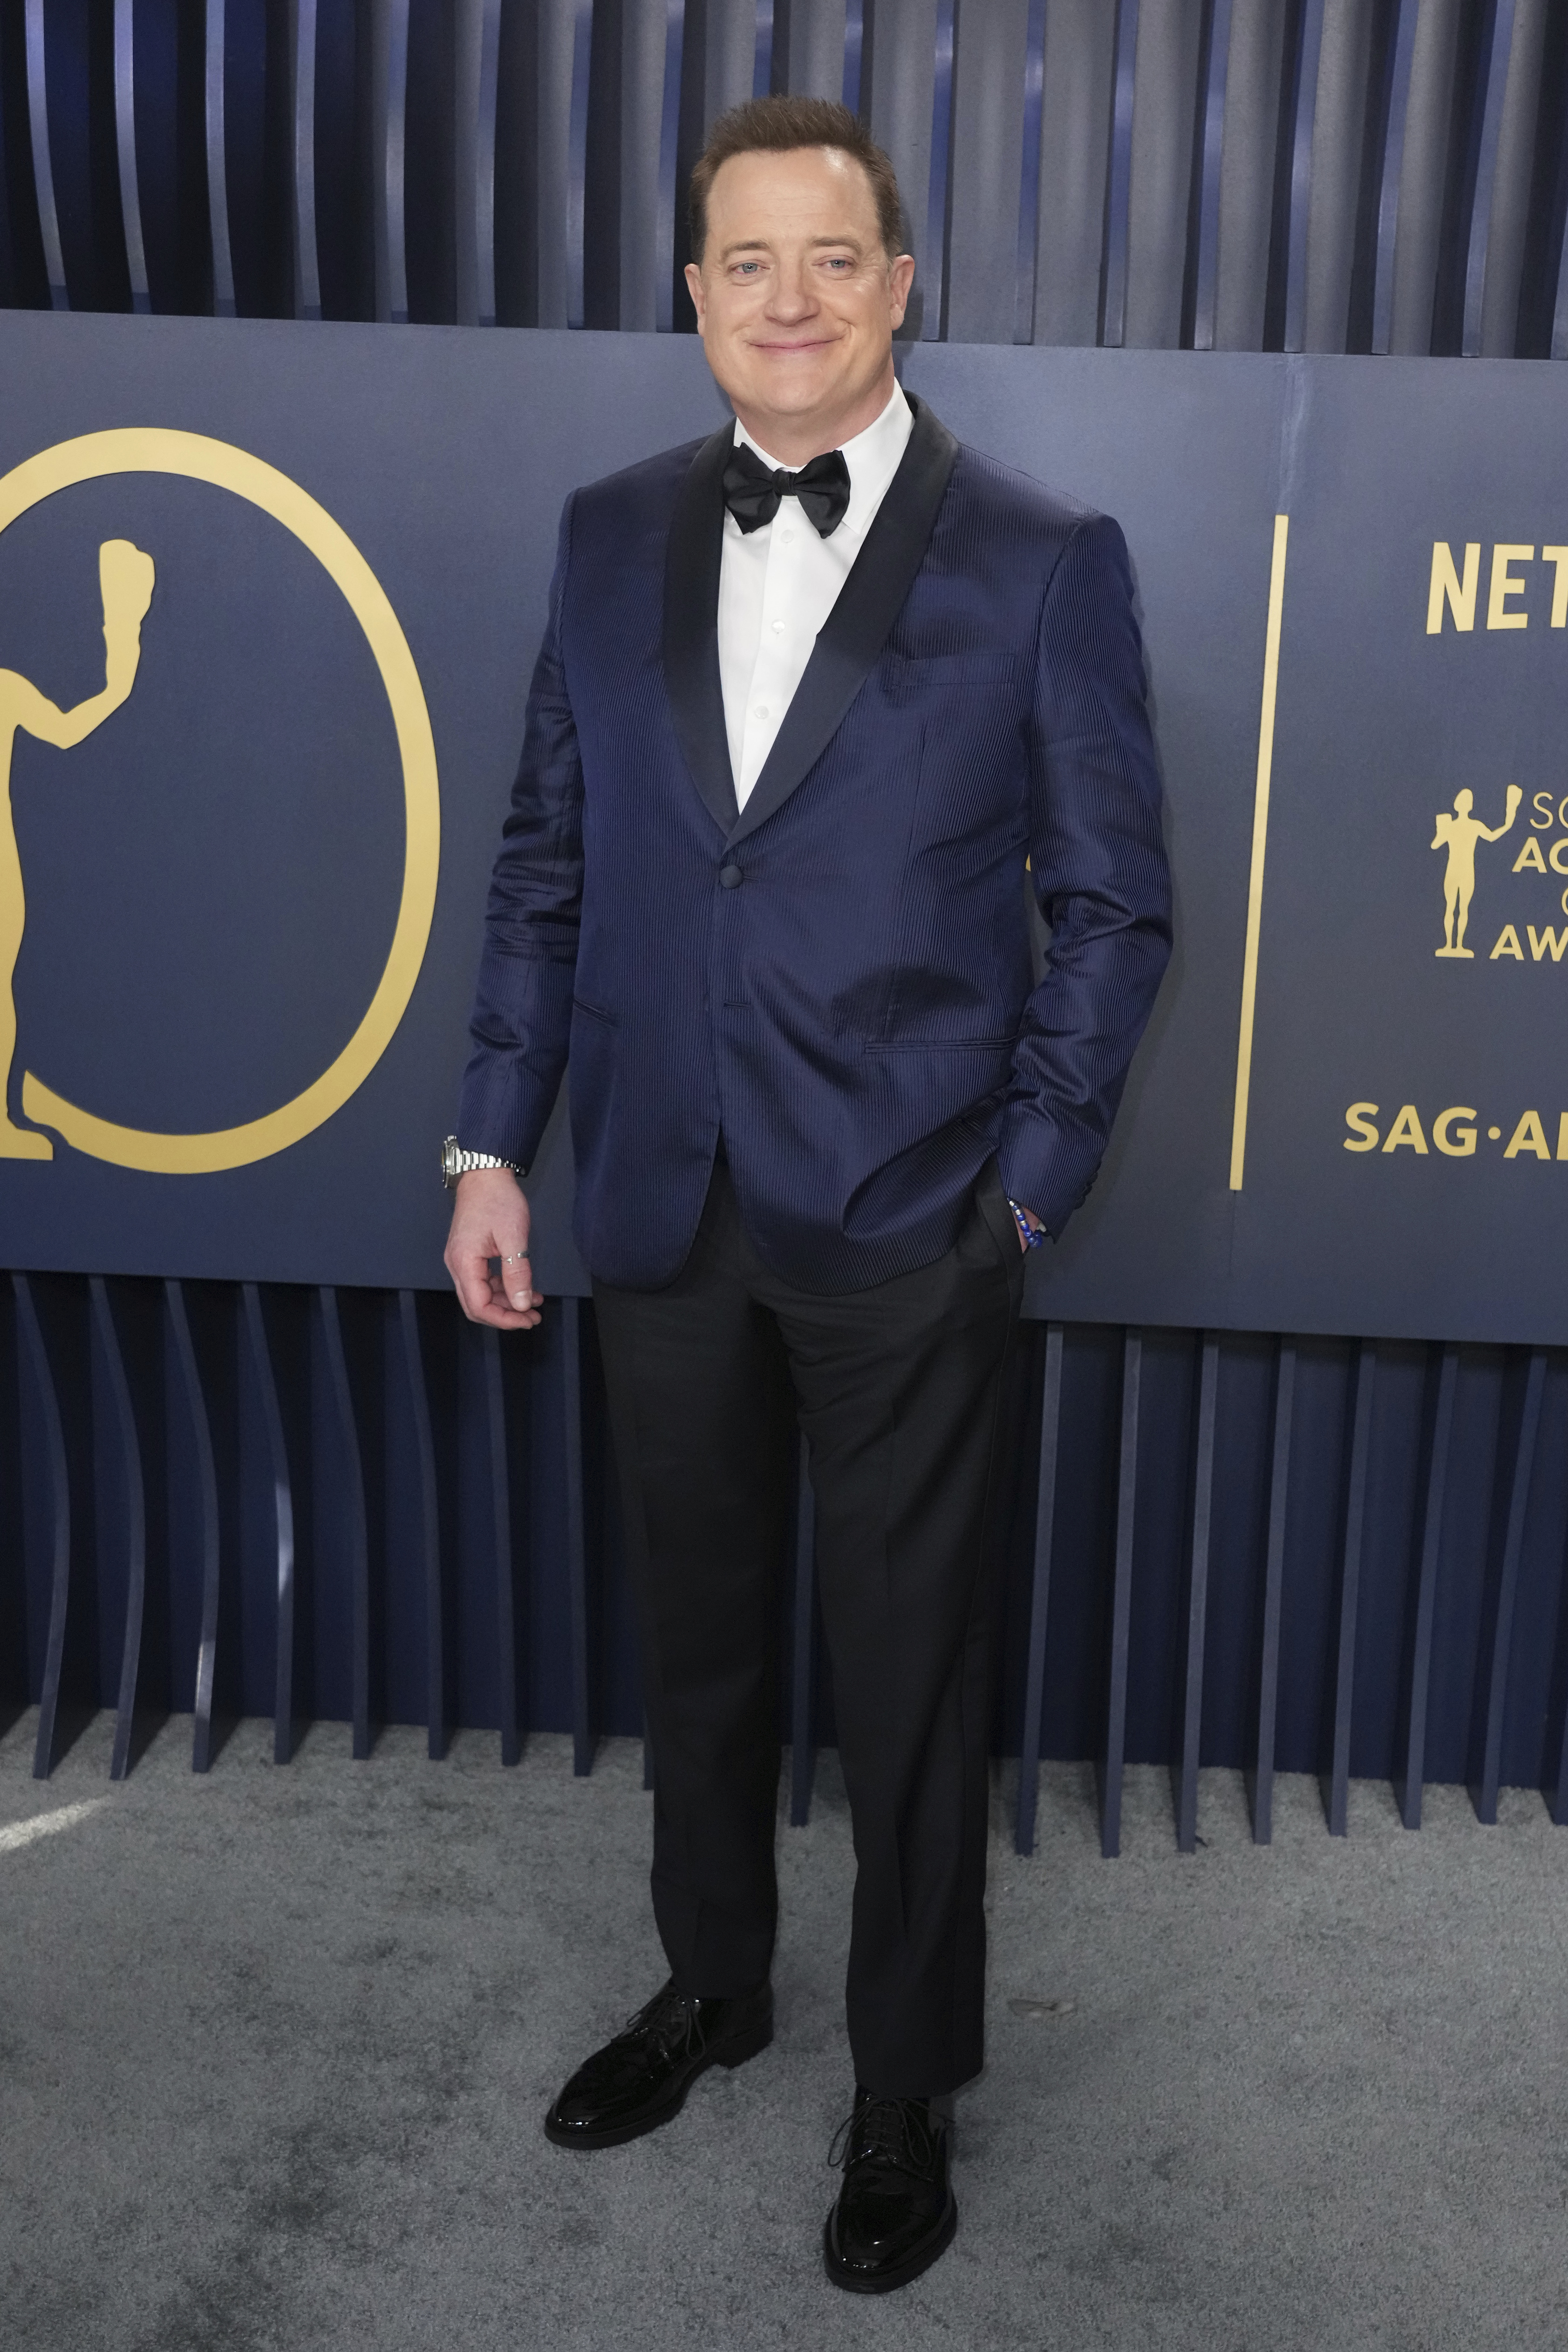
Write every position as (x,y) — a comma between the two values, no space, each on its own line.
(776,126)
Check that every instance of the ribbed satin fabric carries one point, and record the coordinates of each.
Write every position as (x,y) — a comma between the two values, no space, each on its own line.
(846,994)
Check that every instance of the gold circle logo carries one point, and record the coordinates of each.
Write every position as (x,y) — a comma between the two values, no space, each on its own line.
(148,450)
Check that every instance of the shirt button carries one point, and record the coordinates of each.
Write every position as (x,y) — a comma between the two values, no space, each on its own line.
(728,876)
(787,536)
(778,628)
(761,711)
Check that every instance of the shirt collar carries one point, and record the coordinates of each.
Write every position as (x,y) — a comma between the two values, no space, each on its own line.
(872,458)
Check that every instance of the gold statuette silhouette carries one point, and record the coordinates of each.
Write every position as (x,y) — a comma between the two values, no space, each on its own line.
(125,577)
(1459,834)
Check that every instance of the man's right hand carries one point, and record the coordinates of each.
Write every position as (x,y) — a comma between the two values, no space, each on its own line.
(490,1220)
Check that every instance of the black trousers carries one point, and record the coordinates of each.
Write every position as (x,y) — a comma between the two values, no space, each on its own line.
(898,1390)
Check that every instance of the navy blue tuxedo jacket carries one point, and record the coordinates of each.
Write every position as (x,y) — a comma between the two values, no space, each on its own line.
(836,979)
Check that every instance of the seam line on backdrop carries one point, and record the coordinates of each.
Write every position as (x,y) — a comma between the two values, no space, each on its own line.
(1259,848)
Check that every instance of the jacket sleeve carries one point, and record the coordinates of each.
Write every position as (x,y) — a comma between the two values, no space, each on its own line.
(522,1001)
(1100,877)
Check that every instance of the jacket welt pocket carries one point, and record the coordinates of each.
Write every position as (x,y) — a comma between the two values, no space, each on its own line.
(962,669)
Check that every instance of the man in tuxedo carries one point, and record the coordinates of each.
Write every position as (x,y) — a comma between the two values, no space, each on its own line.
(815,692)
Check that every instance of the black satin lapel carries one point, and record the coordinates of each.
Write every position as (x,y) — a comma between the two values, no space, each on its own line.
(856,630)
(691,627)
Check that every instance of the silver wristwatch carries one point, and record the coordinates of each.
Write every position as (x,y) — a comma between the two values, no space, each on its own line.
(455,1161)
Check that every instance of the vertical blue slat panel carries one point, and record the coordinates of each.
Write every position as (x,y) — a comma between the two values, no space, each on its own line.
(644,248)
(1185,1767)
(762,54)
(1490,99)
(43,160)
(1255,71)
(933,255)
(200,1422)
(1347,117)
(352,1488)
(1426,170)
(809,60)
(1030,176)
(854,53)
(125,143)
(1298,180)
(896,84)
(477,49)
(389,112)
(1165,110)
(1537,1687)
(1396,105)
(1204,257)
(1078,76)
(582,30)
(729,48)
(134,1529)
(429,192)
(1342,1688)
(1261,1763)
(437,1662)
(518,172)
(214,85)
(549,136)
(1410,1767)
(1492,1670)
(986,170)
(285,1722)
(511,1681)
(1113,1755)
(303,114)
(1119,179)
(24,279)
(1514,177)
(668,195)
(69,1639)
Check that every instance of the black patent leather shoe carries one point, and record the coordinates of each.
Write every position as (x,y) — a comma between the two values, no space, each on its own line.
(895,2213)
(640,2079)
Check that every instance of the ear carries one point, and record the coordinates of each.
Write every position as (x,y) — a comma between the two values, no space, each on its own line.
(900,278)
(695,289)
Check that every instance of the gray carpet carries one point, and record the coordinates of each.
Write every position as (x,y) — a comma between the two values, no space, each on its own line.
(274,2045)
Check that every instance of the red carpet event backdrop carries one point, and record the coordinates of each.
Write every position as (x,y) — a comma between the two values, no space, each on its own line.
(240,897)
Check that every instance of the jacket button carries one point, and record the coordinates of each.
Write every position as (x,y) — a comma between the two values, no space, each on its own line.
(728,876)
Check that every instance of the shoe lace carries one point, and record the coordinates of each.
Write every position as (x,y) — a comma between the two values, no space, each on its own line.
(886,2131)
(670,2018)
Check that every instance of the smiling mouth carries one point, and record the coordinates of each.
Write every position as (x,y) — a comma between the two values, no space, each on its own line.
(806,343)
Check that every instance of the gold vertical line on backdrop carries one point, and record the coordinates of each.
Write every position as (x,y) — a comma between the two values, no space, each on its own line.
(1259,848)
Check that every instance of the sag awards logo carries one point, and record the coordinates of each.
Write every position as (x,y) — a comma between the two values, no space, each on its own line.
(127,577)
(1459,835)
(1456,1132)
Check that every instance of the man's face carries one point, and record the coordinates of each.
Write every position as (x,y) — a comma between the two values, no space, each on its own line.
(796,299)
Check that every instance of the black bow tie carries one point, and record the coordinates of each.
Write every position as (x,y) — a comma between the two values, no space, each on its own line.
(752,490)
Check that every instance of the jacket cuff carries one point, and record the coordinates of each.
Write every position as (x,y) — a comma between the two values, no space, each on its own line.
(1044,1166)
(504,1109)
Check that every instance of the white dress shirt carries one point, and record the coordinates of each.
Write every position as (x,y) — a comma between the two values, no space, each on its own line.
(777,586)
